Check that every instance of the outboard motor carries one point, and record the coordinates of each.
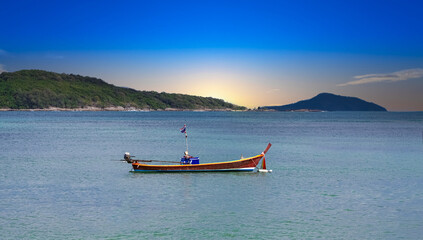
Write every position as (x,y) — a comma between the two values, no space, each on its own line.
(127,157)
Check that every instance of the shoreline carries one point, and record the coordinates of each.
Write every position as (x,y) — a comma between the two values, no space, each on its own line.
(132,109)
(118,109)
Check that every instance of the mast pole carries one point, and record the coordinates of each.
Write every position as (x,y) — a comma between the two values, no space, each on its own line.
(186,139)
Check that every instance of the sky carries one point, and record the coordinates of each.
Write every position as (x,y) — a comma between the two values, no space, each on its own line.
(251,53)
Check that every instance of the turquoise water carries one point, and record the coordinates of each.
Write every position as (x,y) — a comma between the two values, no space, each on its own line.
(336,175)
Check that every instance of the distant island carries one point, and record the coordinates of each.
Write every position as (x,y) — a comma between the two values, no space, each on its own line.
(328,102)
(42,90)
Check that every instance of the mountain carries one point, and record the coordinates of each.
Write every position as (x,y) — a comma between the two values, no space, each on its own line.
(329,102)
(37,89)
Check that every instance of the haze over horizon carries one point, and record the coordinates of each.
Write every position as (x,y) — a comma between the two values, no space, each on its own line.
(250,53)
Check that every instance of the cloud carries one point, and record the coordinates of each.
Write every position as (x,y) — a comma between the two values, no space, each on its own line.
(389,77)
(2,52)
(2,68)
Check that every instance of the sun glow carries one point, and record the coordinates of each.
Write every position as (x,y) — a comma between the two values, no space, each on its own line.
(218,84)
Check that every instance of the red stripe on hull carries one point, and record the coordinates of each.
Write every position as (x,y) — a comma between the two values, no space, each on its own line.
(238,164)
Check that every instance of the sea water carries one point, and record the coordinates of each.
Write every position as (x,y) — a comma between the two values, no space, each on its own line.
(336,175)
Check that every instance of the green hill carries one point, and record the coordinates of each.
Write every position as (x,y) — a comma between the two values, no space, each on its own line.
(329,102)
(37,89)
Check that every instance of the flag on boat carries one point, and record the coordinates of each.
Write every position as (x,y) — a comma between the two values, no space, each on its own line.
(184,129)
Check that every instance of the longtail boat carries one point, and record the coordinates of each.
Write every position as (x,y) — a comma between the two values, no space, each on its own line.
(244,164)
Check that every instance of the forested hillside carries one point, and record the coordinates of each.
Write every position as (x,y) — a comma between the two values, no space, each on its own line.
(37,89)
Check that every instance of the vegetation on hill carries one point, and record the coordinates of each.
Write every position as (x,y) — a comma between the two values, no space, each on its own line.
(37,89)
(330,102)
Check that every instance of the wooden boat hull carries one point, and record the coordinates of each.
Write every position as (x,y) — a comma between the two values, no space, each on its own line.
(247,164)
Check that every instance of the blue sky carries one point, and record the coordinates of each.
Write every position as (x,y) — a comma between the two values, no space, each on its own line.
(251,53)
